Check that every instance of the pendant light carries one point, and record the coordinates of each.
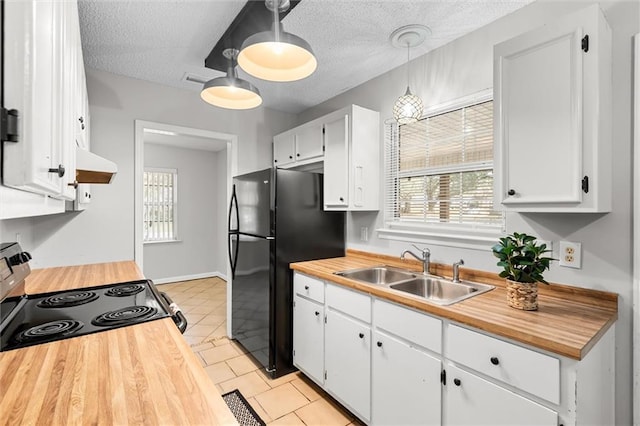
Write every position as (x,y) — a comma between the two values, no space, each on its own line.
(230,91)
(408,107)
(277,55)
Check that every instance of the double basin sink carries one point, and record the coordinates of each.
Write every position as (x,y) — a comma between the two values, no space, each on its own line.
(427,287)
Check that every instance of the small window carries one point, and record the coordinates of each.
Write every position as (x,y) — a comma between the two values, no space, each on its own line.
(439,172)
(160,200)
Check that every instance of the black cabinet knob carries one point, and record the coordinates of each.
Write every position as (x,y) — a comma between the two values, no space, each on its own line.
(317,313)
(457,382)
(361,335)
(341,198)
(511,192)
(495,360)
(297,155)
(306,287)
(275,161)
(291,157)
(379,344)
(59,171)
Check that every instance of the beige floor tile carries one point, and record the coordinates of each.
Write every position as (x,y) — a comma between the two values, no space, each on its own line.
(249,384)
(281,400)
(219,332)
(193,340)
(242,364)
(259,410)
(219,372)
(238,346)
(199,309)
(193,319)
(308,389)
(200,330)
(201,347)
(222,341)
(274,383)
(289,420)
(210,319)
(219,354)
(321,413)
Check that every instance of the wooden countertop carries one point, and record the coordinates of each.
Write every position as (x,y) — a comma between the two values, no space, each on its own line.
(141,374)
(569,320)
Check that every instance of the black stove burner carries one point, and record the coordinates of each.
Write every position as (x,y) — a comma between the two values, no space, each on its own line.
(128,315)
(49,330)
(124,290)
(68,300)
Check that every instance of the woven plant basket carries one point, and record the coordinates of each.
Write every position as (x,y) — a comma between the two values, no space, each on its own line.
(522,295)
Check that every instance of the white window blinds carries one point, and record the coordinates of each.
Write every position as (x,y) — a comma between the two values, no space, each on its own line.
(439,170)
(159,205)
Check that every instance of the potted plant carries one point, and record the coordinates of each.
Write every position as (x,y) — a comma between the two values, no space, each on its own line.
(523,263)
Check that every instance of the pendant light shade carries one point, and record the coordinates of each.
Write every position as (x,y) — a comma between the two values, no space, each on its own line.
(277,55)
(230,91)
(408,108)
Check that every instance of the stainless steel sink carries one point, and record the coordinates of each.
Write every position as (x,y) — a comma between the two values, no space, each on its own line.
(430,288)
(441,291)
(380,275)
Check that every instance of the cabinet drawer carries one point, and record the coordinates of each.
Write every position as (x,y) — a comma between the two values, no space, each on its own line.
(306,286)
(408,324)
(357,305)
(523,368)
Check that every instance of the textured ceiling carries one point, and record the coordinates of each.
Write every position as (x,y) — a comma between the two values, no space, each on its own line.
(163,41)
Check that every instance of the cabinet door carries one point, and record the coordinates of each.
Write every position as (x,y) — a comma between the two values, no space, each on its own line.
(405,386)
(308,338)
(32,85)
(309,142)
(540,110)
(336,163)
(551,113)
(472,400)
(283,149)
(348,361)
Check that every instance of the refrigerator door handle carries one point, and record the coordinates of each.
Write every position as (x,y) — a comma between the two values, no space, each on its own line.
(232,203)
(233,256)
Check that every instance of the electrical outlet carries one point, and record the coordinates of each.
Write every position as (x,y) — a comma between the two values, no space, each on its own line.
(570,254)
(364,233)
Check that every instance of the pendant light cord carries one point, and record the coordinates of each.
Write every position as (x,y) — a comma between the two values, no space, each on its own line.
(408,59)
(276,20)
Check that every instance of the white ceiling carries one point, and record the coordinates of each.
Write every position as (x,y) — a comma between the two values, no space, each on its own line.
(162,137)
(164,40)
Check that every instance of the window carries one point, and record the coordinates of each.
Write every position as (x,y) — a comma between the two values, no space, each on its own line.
(439,173)
(160,201)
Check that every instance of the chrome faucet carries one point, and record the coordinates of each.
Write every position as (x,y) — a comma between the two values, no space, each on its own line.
(456,271)
(425,259)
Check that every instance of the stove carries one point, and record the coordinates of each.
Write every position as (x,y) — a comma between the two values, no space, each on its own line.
(28,320)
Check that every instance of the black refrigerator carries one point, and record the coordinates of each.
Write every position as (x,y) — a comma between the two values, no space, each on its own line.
(276,217)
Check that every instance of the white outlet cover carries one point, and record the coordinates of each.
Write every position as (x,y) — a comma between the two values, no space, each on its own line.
(570,254)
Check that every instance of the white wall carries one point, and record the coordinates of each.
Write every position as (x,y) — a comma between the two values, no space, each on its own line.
(197,251)
(104,232)
(464,67)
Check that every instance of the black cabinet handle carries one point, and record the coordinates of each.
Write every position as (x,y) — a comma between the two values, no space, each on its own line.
(317,313)
(306,287)
(60,170)
(495,360)
(81,119)
(379,344)
(361,335)
(511,192)
(457,382)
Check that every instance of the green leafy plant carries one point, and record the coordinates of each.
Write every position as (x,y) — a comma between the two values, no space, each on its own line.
(521,258)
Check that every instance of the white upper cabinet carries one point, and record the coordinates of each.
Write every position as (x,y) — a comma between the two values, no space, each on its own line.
(299,146)
(41,66)
(552,112)
(346,143)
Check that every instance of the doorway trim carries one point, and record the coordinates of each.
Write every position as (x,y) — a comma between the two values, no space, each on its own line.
(140,126)
(636,233)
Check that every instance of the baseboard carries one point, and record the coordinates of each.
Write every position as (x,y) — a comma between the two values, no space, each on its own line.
(190,277)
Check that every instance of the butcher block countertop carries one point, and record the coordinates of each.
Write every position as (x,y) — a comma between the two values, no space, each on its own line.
(139,374)
(569,320)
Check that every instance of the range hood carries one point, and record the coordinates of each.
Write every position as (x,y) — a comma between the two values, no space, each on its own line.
(91,168)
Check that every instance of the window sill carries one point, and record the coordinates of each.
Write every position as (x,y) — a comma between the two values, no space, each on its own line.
(475,239)
(161,241)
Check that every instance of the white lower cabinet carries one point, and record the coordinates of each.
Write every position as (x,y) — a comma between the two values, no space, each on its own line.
(348,362)
(471,400)
(387,363)
(308,337)
(405,385)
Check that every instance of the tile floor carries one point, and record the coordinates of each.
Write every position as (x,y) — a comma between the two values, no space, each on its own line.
(289,400)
